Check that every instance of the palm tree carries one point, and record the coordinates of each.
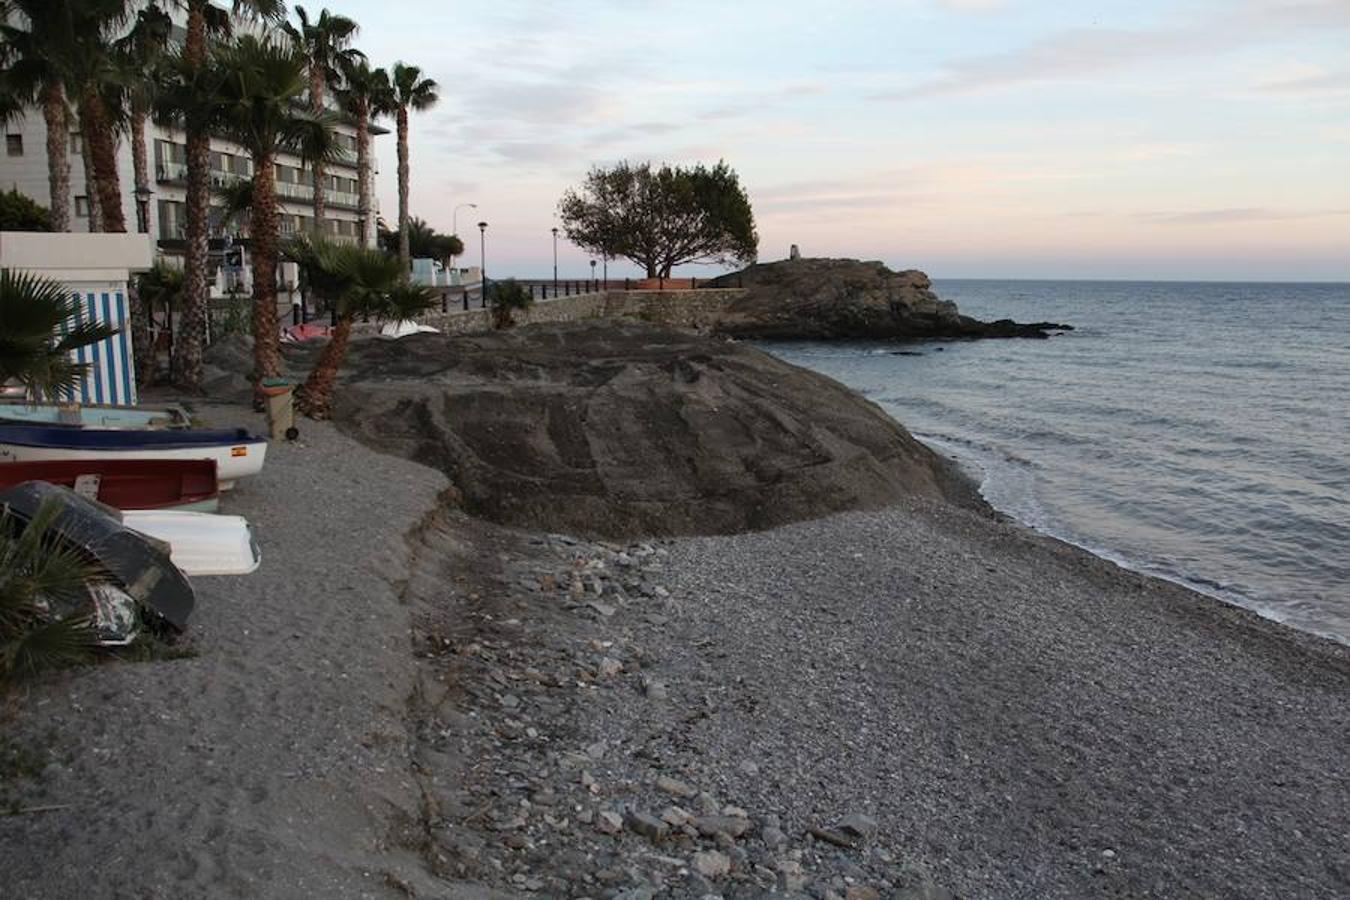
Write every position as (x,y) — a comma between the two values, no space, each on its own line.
(357,281)
(326,45)
(260,83)
(161,287)
(98,125)
(36,57)
(203,18)
(411,91)
(41,324)
(365,94)
(140,53)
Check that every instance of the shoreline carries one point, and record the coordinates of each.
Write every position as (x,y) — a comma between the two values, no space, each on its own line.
(969,464)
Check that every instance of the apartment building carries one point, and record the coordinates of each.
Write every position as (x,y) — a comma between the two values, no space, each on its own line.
(163,213)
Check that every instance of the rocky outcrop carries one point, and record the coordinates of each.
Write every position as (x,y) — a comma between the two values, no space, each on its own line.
(823,299)
(619,428)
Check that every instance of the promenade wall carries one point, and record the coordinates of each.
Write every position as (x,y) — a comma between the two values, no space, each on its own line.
(694,309)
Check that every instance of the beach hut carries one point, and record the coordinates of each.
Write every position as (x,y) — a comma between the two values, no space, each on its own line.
(96,268)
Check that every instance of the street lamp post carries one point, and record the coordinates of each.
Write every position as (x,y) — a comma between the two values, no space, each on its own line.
(454,223)
(482,258)
(555,262)
(593,273)
(143,195)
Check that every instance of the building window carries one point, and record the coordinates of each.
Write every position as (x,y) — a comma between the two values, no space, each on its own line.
(76,143)
(82,207)
(14,144)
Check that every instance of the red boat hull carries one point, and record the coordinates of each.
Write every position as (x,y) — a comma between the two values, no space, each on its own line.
(125,483)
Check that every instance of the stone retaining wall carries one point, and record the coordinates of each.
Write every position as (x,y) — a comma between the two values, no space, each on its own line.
(695,309)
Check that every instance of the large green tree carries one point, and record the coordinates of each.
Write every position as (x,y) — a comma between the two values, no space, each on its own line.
(410,92)
(663,217)
(325,43)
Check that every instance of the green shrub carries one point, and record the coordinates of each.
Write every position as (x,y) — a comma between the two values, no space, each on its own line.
(506,297)
(38,576)
(19,212)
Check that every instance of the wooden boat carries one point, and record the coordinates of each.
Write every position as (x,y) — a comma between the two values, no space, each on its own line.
(137,565)
(95,416)
(237,453)
(200,543)
(184,484)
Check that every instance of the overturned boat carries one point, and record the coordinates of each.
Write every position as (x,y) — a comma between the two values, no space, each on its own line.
(138,566)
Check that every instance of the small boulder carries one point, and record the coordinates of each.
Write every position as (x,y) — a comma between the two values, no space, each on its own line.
(675,787)
(858,825)
(710,826)
(650,827)
(712,864)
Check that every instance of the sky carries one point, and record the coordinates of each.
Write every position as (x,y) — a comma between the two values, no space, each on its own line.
(1191,139)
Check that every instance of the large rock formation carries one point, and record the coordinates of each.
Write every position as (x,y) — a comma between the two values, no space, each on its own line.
(620,429)
(822,299)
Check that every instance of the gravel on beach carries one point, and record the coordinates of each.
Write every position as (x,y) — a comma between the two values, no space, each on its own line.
(921,702)
(916,703)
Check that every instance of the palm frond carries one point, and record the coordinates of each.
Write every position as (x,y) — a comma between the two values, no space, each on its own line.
(48,645)
(40,577)
(41,322)
(407,301)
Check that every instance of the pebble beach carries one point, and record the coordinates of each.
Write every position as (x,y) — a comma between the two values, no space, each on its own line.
(919,702)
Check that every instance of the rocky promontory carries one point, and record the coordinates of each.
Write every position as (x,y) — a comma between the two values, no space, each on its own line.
(618,428)
(824,299)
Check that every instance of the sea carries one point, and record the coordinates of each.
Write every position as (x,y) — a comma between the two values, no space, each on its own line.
(1198,432)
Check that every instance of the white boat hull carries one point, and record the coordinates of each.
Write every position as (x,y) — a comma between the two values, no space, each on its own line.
(200,543)
(232,462)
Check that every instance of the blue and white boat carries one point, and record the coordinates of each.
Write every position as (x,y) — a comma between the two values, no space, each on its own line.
(237,453)
(94,415)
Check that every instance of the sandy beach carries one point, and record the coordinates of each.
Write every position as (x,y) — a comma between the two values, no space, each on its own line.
(917,701)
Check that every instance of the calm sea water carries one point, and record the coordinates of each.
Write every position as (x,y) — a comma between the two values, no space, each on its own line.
(1198,432)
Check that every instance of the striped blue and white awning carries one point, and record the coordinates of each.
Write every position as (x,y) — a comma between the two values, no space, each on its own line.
(111,376)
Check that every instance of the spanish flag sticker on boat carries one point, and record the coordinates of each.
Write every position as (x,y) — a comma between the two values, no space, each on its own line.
(239,451)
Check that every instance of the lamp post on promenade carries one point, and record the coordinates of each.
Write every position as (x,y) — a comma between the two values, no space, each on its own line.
(555,262)
(482,257)
(593,273)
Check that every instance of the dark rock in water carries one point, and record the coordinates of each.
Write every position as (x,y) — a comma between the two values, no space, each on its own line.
(621,428)
(823,299)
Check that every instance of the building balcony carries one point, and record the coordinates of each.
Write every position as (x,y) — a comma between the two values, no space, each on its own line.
(176,173)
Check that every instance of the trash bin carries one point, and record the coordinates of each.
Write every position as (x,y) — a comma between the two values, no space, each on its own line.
(280,409)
